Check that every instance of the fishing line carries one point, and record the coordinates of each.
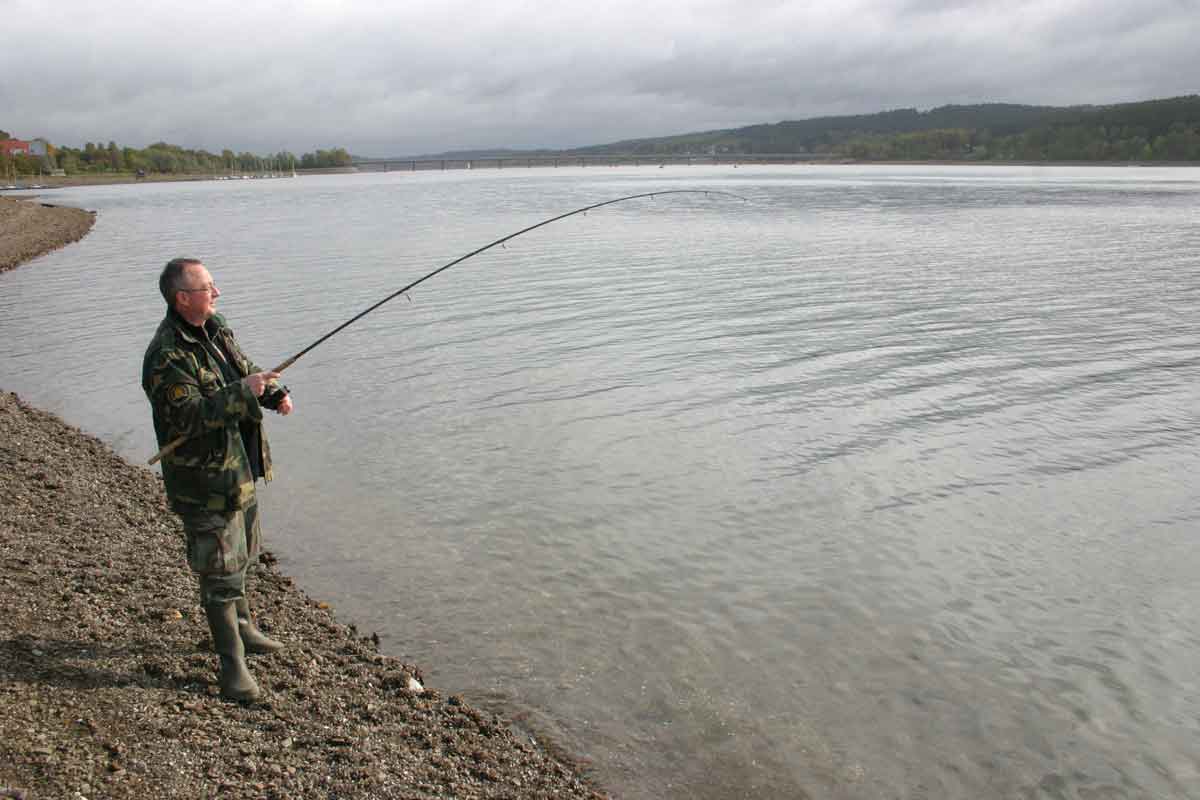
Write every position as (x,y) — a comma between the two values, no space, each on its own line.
(170,446)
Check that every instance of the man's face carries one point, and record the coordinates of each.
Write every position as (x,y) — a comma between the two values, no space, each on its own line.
(198,298)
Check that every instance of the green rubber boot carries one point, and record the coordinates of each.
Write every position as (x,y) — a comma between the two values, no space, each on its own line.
(236,681)
(254,640)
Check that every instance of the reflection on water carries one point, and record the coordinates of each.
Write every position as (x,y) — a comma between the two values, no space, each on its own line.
(875,486)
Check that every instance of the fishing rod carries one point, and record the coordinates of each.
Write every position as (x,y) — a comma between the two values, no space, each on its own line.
(174,443)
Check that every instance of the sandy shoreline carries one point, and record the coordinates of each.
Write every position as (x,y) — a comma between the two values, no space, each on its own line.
(108,682)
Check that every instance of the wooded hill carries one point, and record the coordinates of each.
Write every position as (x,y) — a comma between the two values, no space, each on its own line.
(1167,129)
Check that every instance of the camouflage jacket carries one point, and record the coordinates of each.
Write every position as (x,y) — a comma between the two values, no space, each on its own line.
(189,395)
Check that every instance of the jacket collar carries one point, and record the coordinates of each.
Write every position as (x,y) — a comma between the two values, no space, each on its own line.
(192,333)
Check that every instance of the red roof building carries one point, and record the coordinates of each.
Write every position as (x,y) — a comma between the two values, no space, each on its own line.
(15,146)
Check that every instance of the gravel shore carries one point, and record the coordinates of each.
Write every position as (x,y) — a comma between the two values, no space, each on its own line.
(108,681)
(29,228)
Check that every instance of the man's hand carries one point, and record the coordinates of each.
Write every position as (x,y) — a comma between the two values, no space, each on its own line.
(258,381)
(285,405)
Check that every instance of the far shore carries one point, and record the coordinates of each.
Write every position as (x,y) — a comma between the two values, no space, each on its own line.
(514,161)
(105,179)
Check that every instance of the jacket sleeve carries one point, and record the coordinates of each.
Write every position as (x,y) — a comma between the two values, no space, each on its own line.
(275,392)
(190,400)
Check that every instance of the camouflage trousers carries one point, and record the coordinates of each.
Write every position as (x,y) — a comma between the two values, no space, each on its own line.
(221,546)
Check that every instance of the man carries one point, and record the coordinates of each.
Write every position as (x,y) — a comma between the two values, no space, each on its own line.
(201,385)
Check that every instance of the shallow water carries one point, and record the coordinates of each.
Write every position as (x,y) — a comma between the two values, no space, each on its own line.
(877,485)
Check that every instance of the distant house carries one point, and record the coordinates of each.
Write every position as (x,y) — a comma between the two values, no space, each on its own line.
(12,147)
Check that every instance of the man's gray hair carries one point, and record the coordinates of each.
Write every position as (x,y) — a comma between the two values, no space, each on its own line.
(171,279)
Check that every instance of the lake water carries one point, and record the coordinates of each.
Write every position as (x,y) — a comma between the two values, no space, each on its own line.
(880,484)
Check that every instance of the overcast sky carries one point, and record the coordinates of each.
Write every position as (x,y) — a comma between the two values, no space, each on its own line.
(403,78)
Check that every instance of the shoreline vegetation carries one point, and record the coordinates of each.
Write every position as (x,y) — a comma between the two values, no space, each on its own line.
(107,678)
(39,157)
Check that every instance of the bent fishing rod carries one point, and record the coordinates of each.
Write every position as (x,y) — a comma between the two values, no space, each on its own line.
(174,443)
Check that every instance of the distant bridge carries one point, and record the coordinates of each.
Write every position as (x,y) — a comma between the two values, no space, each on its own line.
(510,162)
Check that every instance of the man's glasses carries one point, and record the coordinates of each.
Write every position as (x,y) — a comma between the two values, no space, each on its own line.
(208,288)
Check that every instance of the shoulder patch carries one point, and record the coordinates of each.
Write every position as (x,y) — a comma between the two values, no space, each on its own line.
(176,393)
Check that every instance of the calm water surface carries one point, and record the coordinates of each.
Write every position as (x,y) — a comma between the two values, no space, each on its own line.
(879,485)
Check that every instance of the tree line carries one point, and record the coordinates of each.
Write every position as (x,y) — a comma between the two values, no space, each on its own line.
(1154,130)
(1180,142)
(163,158)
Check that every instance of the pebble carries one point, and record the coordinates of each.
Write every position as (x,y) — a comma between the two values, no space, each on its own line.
(80,537)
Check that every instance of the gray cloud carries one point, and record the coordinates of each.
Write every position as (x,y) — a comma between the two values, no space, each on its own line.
(423,77)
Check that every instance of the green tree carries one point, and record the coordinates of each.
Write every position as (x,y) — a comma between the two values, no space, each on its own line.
(25,165)
(63,156)
(1181,143)
(163,157)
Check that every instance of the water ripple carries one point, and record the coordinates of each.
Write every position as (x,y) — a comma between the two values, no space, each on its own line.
(875,486)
